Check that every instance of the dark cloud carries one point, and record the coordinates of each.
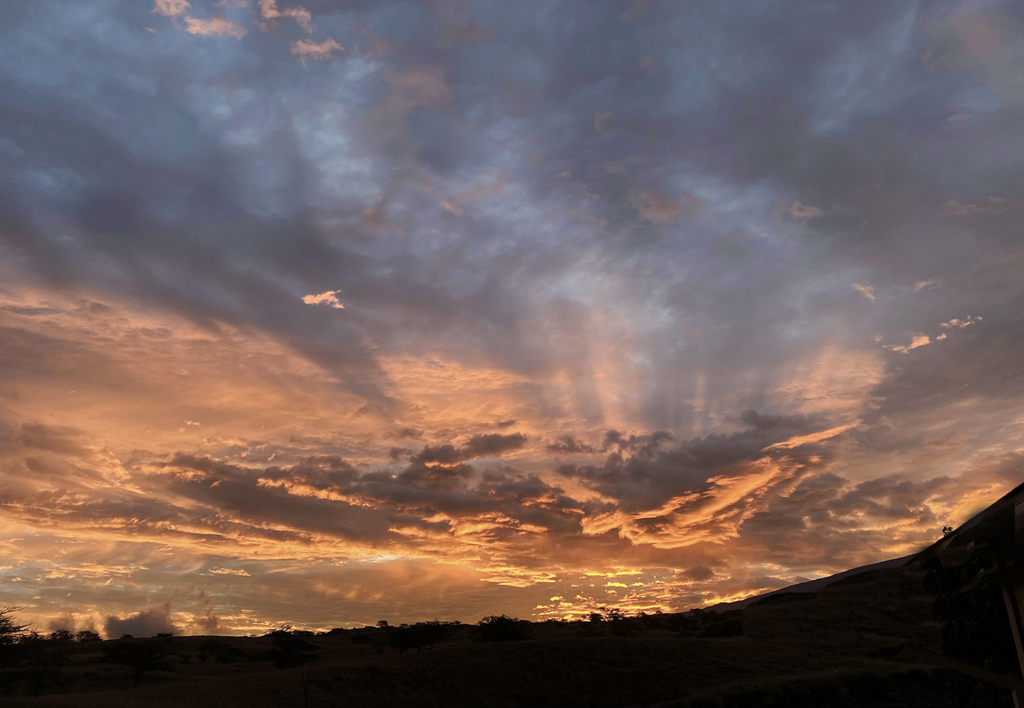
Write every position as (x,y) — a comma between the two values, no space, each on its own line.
(481,445)
(493,444)
(143,624)
(567,444)
(647,470)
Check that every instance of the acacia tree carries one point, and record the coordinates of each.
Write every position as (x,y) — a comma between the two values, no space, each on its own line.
(10,631)
(11,634)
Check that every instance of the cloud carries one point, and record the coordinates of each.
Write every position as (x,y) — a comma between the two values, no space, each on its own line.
(214,27)
(183,225)
(917,340)
(603,120)
(960,324)
(493,444)
(636,10)
(483,445)
(407,432)
(470,33)
(990,206)
(812,438)
(304,49)
(568,445)
(329,298)
(207,623)
(170,8)
(864,289)
(922,284)
(495,188)
(269,12)
(56,439)
(147,623)
(804,212)
(661,209)
(421,85)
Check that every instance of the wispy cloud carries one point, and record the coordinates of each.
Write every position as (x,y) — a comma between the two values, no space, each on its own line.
(660,209)
(214,27)
(990,206)
(804,213)
(325,50)
(960,324)
(864,289)
(270,12)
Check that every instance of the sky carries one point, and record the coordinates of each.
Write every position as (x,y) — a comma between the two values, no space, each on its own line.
(350,310)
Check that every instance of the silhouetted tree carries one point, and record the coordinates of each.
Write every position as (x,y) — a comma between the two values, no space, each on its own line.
(403,638)
(45,658)
(501,628)
(10,634)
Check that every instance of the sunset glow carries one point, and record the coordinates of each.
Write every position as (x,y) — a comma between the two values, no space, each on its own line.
(326,313)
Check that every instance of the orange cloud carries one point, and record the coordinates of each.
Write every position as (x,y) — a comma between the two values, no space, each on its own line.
(269,12)
(917,341)
(329,298)
(214,27)
(170,8)
(304,49)
(812,438)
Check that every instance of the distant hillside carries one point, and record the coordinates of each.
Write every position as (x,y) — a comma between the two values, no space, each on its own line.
(813,585)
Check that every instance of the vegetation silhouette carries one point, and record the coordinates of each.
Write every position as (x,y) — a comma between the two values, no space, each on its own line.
(291,650)
(501,628)
(969,601)
(422,634)
(138,656)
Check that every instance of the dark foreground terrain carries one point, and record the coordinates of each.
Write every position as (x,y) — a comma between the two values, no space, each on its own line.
(807,649)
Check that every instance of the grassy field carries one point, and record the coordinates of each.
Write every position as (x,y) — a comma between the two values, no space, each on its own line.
(788,650)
